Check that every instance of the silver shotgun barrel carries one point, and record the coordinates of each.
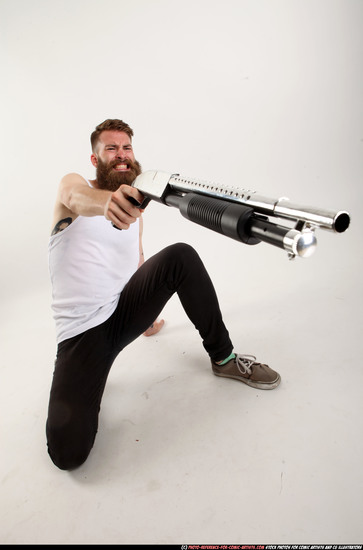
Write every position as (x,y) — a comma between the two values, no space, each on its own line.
(251,222)
(278,207)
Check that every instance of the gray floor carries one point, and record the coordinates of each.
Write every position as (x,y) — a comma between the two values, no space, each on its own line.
(183,456)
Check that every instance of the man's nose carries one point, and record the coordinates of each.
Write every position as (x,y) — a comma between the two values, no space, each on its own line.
(122,155)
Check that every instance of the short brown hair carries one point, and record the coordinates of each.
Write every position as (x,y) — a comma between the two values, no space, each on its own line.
(110,124)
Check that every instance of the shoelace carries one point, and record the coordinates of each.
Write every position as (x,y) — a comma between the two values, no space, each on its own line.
(245,362)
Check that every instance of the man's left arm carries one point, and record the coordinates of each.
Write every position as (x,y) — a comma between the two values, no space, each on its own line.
(141,250)
(157,325)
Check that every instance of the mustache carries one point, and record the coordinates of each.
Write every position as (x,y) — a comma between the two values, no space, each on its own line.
(129,163)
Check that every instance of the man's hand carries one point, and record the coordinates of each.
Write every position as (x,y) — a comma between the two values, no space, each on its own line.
(155,327)
(118,208)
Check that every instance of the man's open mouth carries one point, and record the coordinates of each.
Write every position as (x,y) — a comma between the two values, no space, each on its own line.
(122,167)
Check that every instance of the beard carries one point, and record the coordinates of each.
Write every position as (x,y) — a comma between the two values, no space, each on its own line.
(110,180)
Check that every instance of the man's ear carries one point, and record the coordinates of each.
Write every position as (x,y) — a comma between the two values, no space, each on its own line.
(94,160)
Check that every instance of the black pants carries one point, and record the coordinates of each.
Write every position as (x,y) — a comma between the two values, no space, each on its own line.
(84,361)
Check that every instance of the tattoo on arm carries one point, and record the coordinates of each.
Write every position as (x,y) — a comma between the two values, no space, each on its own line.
(62,224)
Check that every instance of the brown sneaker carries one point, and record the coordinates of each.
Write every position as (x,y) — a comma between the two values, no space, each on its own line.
(247,370)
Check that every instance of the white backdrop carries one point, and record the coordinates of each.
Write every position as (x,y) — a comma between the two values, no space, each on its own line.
(265,94)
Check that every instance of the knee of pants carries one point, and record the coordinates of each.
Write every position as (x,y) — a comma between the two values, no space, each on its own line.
(184,250)
(70,441)
(67,453)
(184,255)
(67,461)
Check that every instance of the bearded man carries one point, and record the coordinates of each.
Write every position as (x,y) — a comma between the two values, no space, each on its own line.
(105,295)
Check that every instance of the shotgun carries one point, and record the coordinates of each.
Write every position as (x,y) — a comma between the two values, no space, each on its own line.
(242,214)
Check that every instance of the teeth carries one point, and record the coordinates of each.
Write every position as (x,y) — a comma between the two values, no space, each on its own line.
(121,167)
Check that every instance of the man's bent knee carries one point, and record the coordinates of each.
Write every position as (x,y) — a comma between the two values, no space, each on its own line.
(183,252)
(184,249)
(67,459)
(68,447)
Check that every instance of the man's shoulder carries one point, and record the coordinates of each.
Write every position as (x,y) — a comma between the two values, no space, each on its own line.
(73,178)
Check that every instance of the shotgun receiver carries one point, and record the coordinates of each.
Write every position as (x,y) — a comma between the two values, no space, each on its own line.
(242,214)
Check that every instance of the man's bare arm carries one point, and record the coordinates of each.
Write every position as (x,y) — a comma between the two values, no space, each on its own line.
(157,325)
(81,199)
(141,248)
(77,198)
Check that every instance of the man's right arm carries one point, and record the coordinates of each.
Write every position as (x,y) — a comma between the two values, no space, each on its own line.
(76,198)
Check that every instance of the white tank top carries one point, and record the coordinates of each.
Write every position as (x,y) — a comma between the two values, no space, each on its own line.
(90,262)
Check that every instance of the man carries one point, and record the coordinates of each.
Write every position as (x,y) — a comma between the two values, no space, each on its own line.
(105,295)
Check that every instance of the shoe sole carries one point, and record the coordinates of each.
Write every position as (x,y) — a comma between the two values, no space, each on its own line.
(251,383)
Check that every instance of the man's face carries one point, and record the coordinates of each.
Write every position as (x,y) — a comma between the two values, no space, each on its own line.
(114,160)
